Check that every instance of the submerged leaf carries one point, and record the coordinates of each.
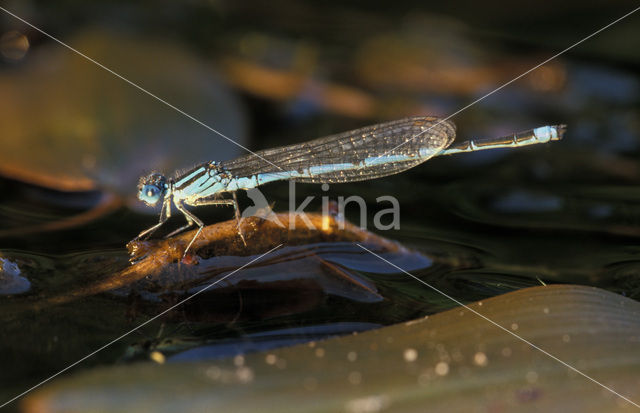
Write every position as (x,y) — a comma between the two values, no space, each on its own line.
(452,361)
(70,125)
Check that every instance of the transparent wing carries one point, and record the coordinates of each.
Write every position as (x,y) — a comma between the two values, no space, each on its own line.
(361,154)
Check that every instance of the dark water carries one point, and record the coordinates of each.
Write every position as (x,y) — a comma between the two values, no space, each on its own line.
(477,225)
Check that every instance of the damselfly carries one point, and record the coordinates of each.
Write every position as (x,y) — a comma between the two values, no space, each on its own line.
(367,153)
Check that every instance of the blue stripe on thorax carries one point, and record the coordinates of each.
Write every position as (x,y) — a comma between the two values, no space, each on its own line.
(183,180)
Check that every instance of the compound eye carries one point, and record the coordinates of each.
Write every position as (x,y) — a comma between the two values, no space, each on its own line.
(150,194)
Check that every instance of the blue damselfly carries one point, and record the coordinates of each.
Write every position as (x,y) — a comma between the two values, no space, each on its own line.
(362,154)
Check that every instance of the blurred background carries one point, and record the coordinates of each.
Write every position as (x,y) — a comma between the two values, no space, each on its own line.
(74,139)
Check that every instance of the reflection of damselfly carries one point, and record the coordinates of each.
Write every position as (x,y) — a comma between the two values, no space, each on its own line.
(358,155)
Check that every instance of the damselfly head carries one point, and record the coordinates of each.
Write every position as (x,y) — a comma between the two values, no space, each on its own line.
(152,188)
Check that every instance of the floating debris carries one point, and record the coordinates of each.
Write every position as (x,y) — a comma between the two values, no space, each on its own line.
(158,266)
(11,282)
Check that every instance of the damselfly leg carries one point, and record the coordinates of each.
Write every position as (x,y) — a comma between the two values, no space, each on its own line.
(233,202)
(165,214)
(191,219)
